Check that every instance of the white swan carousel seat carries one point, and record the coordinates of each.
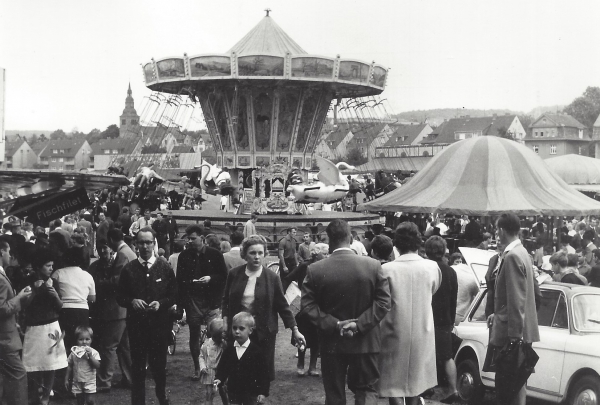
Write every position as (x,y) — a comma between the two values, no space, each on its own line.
(331,187)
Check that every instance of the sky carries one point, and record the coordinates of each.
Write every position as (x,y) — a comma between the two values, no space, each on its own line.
(68,62)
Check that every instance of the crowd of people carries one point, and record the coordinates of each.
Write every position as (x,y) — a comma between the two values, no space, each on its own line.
(99,290)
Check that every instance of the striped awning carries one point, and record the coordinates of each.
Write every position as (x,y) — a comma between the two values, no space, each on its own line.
(486,176)
(581,172)
(391,165)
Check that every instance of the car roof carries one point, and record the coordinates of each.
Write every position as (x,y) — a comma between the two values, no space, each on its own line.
(570,289)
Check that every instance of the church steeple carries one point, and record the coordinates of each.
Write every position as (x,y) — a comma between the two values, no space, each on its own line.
(129,120)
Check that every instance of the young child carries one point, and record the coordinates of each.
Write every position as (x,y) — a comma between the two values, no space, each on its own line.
(83,362)
(210,355)
(243,366)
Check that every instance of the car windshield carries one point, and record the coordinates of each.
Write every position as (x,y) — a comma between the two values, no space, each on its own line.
(586,312)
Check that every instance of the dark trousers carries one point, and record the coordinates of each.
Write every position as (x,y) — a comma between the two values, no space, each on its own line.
(69,320)
(267,346)
(291,264)
(148,344)
(362,372)
(112,342)
(13,378)
(506,392)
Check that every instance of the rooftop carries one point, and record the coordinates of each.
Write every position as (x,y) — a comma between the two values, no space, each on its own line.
(406,132)
(486,125)
(558,120)
(266,38)
(69,148)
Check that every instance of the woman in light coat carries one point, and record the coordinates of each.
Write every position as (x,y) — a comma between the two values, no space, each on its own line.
(407,357)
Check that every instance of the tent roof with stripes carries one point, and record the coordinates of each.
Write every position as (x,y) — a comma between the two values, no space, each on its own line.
(486,176)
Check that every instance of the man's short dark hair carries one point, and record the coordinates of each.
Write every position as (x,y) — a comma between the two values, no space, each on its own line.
(254,216)
(125,210)
(115,234)
(407,237)
(435,248)
(146,229)
(338,232)
(236,238)
(382,246)
(4,245)
(589,235)
(197,229)
(510,223)
(290,229)
(369,235)
(207,223)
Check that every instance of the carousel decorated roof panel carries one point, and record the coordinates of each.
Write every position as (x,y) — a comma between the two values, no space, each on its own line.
(265,56)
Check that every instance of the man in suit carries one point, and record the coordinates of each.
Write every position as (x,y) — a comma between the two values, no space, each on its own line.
(108,316)
(147,288)
(587,243)
(515,318)
(161,227)
(13,377)
(346,296)
(233,257)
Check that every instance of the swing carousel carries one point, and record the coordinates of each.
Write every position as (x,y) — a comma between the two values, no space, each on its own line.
(264,103)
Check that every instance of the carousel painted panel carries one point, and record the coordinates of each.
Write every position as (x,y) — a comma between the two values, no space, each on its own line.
(260,65)
(378,78)
(352,71)
(149,75)
(312,68)
(263,161)
(244,161)
(210,66)
(172,68)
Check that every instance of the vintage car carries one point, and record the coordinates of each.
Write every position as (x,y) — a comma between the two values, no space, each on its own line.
(569,348)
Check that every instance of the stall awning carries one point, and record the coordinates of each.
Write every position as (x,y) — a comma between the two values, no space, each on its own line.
(391,165)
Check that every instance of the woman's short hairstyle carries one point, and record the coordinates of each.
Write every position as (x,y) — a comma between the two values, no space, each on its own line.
(41,257)
(78,238)
(245,317)
(382,246)
(213,241)
(225,246)
(487,235)
(435,248)
(407,237)
(559,258)
(510,223)
(453,257)
(74,257)
(572,260)
(251,241)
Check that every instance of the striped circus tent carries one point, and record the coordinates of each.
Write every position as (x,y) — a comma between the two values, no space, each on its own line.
(580,172)
(486,176)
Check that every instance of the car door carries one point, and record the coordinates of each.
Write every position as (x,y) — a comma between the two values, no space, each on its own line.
(553,324)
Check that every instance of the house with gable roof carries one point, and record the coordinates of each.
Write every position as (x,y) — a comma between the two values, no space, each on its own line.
(457,129)
(66,154)
(18,154)
(553,135)
(104,151)
(405,141)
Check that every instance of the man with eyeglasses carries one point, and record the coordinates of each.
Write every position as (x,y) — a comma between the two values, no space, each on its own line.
(147,288)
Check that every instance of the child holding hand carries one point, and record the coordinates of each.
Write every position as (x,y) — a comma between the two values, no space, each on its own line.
(83,362)
(243,367)
(210,355)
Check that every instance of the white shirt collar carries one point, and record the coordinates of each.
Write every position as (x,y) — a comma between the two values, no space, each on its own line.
(588,245)
(244,345)
(512,245)
(343,248)
(151,260)
(235,248)
(121,244)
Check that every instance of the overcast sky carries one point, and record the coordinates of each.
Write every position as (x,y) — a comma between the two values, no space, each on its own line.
(68,62)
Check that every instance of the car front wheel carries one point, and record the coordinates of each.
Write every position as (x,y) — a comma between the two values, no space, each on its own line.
(585,391)
(469,385)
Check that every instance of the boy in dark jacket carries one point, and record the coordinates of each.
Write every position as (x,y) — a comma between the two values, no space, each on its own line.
(243,365)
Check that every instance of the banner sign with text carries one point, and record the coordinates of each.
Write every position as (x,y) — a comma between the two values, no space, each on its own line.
(53,207)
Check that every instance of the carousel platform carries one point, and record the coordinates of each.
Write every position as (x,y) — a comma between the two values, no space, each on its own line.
(274,226)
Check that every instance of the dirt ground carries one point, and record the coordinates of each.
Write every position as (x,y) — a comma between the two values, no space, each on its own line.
(288,388)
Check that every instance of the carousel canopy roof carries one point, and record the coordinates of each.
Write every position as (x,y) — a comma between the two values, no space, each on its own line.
(486,176)
(266,38)
(581,172)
